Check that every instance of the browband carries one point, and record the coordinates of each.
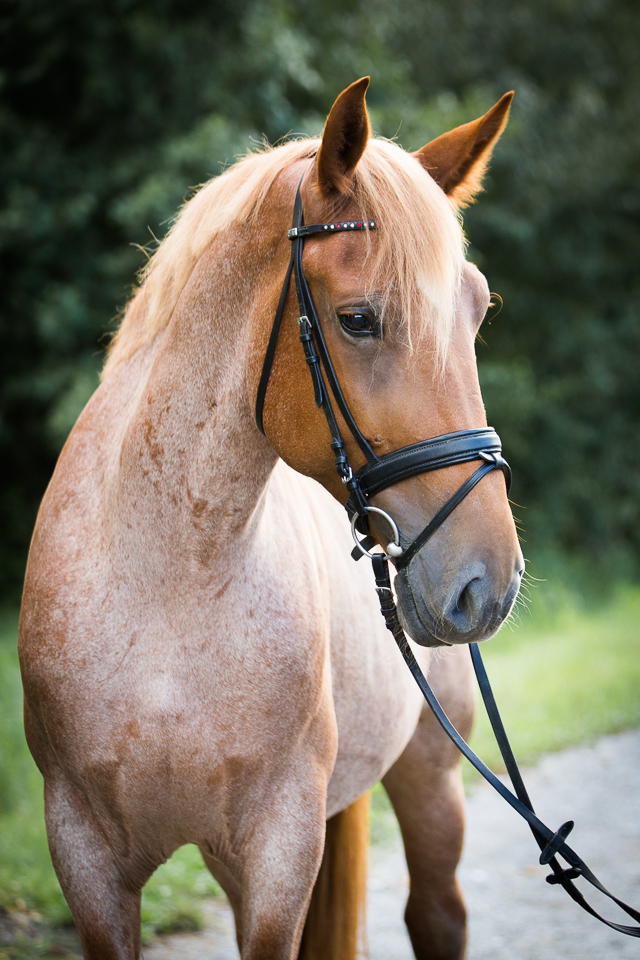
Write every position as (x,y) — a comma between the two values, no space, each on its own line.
(311,228)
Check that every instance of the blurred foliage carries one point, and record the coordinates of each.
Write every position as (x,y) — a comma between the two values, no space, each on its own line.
(112,111)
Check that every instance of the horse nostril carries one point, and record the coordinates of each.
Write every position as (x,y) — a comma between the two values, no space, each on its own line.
(473,607)
(468,598)
(465,612)
(478,604)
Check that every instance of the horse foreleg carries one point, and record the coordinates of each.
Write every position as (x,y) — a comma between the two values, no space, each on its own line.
(278,871)
(223,876)
(425,788)
(104,906)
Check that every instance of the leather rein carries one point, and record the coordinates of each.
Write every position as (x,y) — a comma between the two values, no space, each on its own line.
(380,472)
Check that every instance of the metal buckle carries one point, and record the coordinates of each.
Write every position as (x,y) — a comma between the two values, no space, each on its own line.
(349,475)
(394,550)
(293,233)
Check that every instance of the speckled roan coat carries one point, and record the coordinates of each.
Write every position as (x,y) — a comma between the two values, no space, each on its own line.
(202,660)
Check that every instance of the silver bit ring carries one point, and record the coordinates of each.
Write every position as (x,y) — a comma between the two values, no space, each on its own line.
(394,550)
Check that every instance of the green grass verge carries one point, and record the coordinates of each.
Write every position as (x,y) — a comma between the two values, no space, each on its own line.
(563,676)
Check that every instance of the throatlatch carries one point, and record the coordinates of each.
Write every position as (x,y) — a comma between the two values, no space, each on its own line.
(378,473)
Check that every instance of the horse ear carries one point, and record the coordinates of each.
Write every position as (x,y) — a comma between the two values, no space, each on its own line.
(344,140)
(457,160)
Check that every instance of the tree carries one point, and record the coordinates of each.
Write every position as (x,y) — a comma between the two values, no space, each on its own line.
(112,111)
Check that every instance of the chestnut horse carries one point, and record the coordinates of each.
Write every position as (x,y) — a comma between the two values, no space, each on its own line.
(202,660)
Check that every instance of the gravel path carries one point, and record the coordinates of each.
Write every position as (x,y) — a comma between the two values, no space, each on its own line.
(512,911)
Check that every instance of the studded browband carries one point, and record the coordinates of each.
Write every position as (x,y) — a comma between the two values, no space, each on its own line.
(312,228)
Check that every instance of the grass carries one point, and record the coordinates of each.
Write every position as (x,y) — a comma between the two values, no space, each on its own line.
(565,675)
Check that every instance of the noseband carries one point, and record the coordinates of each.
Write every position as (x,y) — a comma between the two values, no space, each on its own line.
(378,473)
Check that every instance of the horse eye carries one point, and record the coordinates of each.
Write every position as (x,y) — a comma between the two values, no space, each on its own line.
(359,324)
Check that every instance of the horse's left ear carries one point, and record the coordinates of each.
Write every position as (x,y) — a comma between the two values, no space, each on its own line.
(457,160)
(344,140)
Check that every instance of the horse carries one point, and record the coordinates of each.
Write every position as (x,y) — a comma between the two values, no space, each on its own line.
(202,661)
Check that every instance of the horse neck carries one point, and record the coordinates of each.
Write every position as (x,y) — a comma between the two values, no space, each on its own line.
(193,467)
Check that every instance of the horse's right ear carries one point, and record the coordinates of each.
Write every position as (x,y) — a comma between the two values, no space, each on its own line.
(344,140)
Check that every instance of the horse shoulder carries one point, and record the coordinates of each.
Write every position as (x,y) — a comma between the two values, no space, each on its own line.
(375,700)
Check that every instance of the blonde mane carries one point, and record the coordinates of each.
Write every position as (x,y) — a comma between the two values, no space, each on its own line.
(418,254)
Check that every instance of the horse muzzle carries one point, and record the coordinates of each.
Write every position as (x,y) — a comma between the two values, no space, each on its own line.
(468,610)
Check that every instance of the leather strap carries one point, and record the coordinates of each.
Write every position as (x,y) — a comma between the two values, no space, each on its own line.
(271,349)
(552,843)
(407,556)
(461,446)
(277,321)
(310,326)
(343,226)
(307,309)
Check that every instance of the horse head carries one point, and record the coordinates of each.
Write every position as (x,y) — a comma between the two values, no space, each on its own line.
(399,310)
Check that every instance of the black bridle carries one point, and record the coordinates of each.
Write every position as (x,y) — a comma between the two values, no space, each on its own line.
(378,473)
